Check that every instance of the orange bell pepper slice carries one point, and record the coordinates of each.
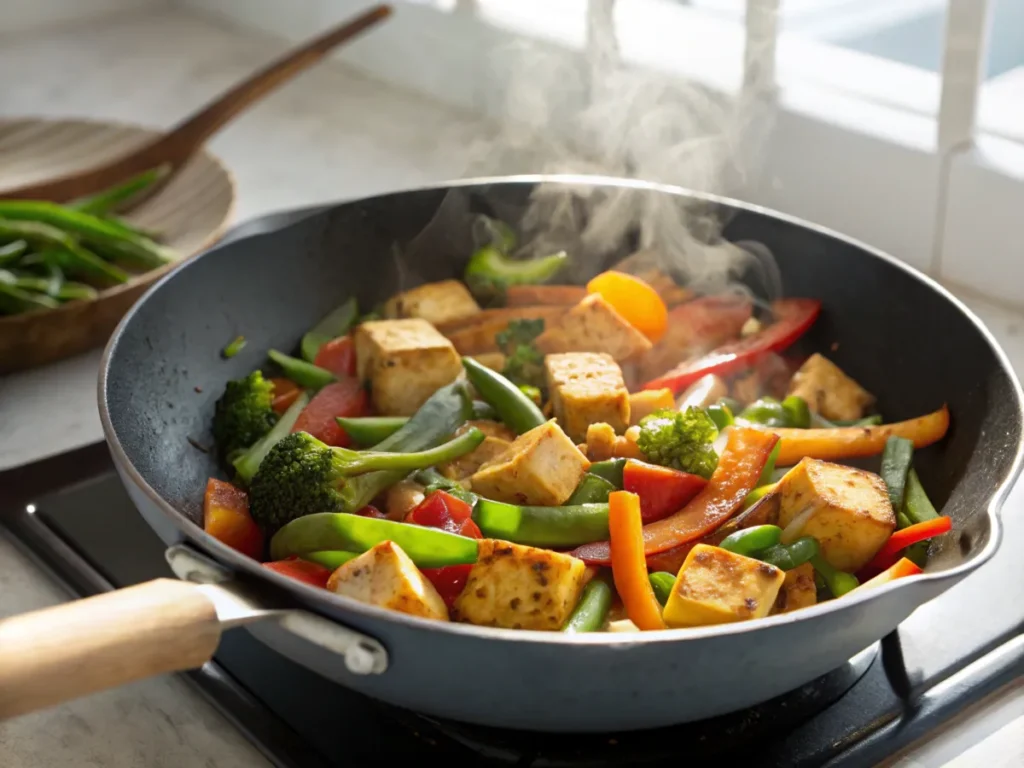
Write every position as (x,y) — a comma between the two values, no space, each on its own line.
(635,300)
(850,442)
(226,517)
(738,471)
(629,568)
(901,569)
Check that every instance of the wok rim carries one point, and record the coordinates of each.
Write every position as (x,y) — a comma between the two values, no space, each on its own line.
(312,595)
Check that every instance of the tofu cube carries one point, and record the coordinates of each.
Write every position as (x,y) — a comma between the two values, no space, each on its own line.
(828,391)
(594,325)
(518,587)
(647,401)
(405,361)
(586,388)
(798,590)
(436,303)
(386,577)
(715,586)
(541,467)
(497,439)
(847,510)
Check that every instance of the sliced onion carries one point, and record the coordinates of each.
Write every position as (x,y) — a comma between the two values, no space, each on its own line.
(796,526)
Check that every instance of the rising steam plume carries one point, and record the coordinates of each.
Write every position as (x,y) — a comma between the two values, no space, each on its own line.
(563,113)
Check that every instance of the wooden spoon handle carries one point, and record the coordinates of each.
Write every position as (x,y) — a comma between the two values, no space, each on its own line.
(177,145)
(60,653)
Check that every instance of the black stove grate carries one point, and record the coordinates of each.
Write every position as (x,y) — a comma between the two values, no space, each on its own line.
(88,534)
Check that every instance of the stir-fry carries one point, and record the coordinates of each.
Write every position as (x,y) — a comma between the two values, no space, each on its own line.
(619,456)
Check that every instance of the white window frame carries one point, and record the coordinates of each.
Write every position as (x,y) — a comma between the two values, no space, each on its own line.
(881,151)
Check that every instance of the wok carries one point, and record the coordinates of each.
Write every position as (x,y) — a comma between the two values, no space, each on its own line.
(898,332)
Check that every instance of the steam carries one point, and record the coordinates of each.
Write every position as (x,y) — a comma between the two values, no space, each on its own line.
(594,115)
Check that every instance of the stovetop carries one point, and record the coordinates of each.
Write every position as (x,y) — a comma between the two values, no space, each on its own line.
(947,655)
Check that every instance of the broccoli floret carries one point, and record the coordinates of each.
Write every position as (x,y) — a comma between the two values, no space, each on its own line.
(680,439)
(302,475)
(243,414)
(524,363)
(491,270)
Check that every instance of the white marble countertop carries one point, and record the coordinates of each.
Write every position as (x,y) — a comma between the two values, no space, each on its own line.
(330,135)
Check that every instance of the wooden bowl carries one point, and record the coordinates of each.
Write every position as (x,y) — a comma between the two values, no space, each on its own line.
(191,212)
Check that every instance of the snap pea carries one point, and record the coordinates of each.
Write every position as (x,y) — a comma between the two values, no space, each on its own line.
(611,470)
(432,480)
(662,583)
(769,466)
(543,526)
(747,541)
(515,409)
(62,249)
(797,412)
(302,373)
(838,582)
(367,431)
(721,414)
(90,228)
(758,493)
(766,411)
(330,558)
(592,489)
(790,556)
(592,609)
(336,323)
(427,547)
(896,459)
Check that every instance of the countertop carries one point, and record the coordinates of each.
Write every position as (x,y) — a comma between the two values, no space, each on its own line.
(332,134)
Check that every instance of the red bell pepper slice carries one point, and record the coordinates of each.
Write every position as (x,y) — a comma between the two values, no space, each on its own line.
(662,490)
(900,540)
(226,517)
(286,392)
(442,510)
(903,567)
(342,398)
(338,356)
(792,319)
(303,570)
(739,469)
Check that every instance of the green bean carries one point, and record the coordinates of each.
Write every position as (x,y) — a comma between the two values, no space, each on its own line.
(917,508)
(896,459)
(62,249)
(14,300)
(12,252)
(769,466)
(367,431)
(109,199)
(92,229)
(592,609)
(747,541)
(662,583)
(797,412)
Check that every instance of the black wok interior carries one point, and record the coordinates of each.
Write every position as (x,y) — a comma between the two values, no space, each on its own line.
(902,339)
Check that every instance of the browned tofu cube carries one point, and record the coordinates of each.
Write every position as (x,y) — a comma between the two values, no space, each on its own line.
(647,401)
(436,303)
(405,361)
(385,576)
(798,590)
(519,587)
(542,467)
(594,325)
(497,439)
(847,510)
(828,391)
(715,586)
(586,388)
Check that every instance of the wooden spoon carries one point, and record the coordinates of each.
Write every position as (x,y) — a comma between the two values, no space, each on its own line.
(174,148)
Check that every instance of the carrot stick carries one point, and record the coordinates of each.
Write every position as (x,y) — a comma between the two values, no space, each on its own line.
(904,567)
(850,442)
(629,568)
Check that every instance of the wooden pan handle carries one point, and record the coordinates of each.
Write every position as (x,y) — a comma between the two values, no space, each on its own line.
(60,653)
